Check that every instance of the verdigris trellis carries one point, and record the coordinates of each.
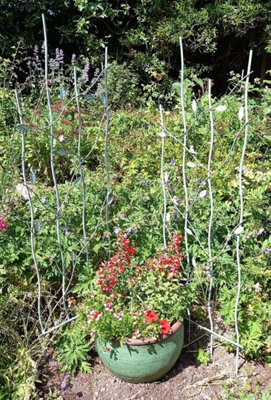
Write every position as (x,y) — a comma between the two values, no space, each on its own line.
(188,226)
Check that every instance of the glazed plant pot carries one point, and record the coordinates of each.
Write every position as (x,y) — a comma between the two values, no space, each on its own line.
(142,360)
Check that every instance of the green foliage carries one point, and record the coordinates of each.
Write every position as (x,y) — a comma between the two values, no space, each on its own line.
(73,348)
(122,85)
(20,348)
(250,390)
(147,32)
(136,208)
(202,356)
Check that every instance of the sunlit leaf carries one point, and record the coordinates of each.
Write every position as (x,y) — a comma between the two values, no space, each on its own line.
(32,177)
(62,152)
(103,99)
(37,226)
(21,127)
(89,97)
(78,180)
(62,94)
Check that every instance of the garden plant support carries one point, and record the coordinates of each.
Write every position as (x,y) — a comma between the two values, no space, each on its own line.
(189,229)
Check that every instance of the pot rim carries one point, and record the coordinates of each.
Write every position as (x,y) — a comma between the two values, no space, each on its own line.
(140,342)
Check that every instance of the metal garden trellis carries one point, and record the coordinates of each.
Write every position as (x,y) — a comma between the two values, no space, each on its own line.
(238,229)
(31,192)
(188,226)
(191,231)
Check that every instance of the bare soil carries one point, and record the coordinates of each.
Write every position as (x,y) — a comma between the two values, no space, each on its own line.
(186,380)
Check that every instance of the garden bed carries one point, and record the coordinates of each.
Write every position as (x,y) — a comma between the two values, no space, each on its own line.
(187,380)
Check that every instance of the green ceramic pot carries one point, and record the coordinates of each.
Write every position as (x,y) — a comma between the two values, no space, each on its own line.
(142,360)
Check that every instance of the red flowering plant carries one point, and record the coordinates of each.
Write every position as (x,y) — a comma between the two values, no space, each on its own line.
(136,301)
(3,226)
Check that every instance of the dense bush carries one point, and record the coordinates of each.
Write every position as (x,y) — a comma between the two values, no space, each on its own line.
(147,32)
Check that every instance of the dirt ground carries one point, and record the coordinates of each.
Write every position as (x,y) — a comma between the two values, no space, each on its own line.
(186,380)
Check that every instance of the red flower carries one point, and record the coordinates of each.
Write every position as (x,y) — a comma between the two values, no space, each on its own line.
(3,226)
(165,326)
(150,316)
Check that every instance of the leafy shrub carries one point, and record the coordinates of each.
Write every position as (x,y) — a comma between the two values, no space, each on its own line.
(123,86)
(20,347)
(72,349)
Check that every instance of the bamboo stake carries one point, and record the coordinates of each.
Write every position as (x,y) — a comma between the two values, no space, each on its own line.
(80,165)
(184,159)
(53,169)
(241,214)
(216,334)
(184,174)
(31,211)
(211,218)
(106,147)
(162,176)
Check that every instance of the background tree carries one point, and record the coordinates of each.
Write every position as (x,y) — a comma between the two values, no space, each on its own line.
(144,33)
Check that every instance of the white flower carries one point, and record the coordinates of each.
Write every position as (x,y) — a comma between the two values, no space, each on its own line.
(241,113)
(239,230)
(257,287)
(162,134)
(190,164)
(221,108)
(175,201)
(194,106)
(166,177)
(189,231)
(191,150)
(203,194)
(168,217)
(21,189)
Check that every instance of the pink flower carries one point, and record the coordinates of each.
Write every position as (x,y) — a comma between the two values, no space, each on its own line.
(3,226)
(118,315)
(108,305)
(48,81)
(94,316)
(136,334)
(70,301)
